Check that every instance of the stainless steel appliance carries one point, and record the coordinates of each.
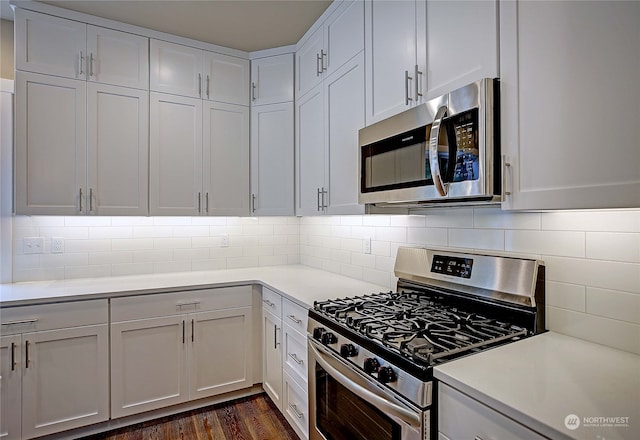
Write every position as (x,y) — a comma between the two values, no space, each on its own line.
(444,151)
(371,357)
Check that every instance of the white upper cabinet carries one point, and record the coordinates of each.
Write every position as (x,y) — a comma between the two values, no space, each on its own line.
(272,79)
(117,58)
(569,104)
(226,78)
(339,39)
(455,59)
(175,168)
(272,167)
(61,47)
(187,71)
(225,159)
(395,44)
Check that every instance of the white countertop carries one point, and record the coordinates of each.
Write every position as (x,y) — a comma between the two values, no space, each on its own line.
(301,284)
(541,380)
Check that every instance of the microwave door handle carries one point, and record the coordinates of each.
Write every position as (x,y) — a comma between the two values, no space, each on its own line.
(436,174)
(384,405)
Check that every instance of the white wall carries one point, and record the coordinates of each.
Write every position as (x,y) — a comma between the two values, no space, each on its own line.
(592,258)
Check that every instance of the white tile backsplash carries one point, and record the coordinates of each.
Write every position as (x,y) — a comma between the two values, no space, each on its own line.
(592,257)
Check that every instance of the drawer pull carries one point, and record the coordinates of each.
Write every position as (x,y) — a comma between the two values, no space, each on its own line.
(294,319)
(477,438)
(26,357)
(269,303)
(21,321)
(192,303)
(295,411)
(295,358)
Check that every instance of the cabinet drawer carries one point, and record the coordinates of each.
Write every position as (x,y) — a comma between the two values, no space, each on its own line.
(480,420)
(166,304)
(296,406)
(295,316)
(295,354)
(272,302)
(25,319)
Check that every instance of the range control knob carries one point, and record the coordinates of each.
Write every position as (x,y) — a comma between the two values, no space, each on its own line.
(318,332)
(329,338)
(371,365)
(386,375)
(348,350)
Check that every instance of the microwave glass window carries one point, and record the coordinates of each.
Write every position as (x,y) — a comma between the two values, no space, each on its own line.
(341,415)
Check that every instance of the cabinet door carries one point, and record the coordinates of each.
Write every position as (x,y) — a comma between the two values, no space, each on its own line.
(310,152)
(50,145)
(394,42)
(344,109)
(175,144)
(226,159)
(148,364)
(272,360)
(571,140)
(10,387)
(344,35)
(117,58)
(272,79)
(309,63)
(71,366)
(295,406)
(175,69)
(272,169)
(51,45)
(220,357)
(225,78)
(118,150)
(466,55)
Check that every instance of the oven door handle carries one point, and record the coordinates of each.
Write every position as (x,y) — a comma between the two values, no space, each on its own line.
(382,404)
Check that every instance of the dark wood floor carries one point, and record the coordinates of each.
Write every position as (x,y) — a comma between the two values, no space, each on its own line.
(250,418)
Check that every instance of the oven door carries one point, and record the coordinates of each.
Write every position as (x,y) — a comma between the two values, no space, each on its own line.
(345,404)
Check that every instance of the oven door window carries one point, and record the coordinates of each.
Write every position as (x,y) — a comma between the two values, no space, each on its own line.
(341,415)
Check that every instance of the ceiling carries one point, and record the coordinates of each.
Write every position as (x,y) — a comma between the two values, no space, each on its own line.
(247,25)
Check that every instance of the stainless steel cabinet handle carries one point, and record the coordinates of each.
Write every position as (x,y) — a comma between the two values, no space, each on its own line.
(207,86)
(193,328)
(295,358)
(91,64)
(200,85)
(407,78)
(275,337)
(295,411)
(505,165)
(26,356)
(13,356)
(253,203)
(80,199)
(206,202)
(190,303)
(90,199)
(323,57)
(21,321)
(318,200)
(81,63)
(294,319)
(183,331)
(418,88)
(253,91)
(477,438)
(269,303)
(324,193)
(199,202)
(318,64)
(440,185)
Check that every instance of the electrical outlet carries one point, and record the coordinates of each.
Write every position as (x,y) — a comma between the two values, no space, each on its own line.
(57,245)
(366,245)
(224,240)
(33,245)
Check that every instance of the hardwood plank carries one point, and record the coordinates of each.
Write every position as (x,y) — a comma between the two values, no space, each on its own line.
(250,418)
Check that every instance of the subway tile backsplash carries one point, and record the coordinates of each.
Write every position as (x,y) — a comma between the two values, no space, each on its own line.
(592,257)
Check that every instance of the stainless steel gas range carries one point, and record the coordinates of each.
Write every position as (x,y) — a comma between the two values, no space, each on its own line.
(371,357)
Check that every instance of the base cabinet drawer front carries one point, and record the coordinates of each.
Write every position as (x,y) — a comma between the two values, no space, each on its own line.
(295,354)
(272,302)
(167,304)
(10,387)
(296,406)
(295,316)
(65,379)
(220,357)
(480,421)
(148,365)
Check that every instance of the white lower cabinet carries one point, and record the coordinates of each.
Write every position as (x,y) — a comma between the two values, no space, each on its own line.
(295,406)
(480,421)
(55,373)
(272,346)
(172,348)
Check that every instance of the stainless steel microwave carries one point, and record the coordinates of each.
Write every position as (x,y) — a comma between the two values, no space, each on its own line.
(444,151)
